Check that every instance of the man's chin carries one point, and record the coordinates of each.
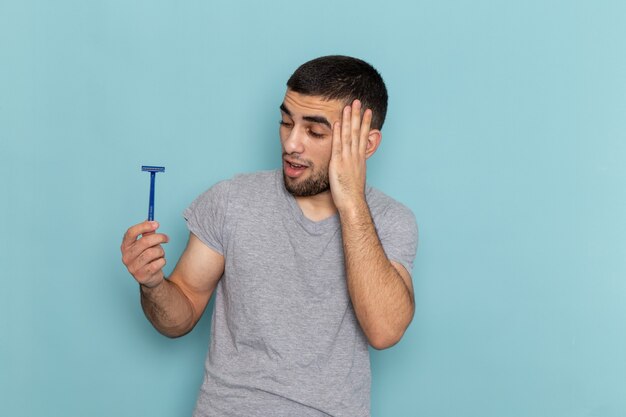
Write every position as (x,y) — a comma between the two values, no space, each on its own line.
(292,184)
(306,187)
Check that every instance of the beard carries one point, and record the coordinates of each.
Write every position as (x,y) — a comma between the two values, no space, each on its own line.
(317,183)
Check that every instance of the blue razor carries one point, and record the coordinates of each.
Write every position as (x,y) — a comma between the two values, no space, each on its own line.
(152,170)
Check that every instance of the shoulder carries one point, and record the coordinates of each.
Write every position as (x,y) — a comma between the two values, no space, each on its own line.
(242,184)
(244,191)
(253,180)
(385,207)
(252,188)
(395,225)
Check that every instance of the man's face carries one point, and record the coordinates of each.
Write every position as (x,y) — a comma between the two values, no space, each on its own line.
(306,139)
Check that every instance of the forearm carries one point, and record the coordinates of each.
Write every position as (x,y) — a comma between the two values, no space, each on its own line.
(382,301)
(168,309)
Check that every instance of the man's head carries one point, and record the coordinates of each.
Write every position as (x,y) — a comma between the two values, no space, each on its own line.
(316,94)
(345,79)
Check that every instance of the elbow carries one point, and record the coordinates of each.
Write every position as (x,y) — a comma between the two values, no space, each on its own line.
(382,345)
(386,335)
(173,333)
(385,340)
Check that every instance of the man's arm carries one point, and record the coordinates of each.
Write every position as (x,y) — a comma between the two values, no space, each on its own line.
(172,305)
(381,291)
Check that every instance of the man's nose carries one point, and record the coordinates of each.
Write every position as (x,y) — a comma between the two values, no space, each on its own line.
(294,143)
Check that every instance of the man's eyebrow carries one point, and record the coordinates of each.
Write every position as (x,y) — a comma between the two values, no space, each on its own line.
(318,119)
(315,119)
(284,109)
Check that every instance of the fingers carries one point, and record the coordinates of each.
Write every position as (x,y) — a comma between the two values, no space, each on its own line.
(346,131)
(355,125)
(355,128)
(337,139)
(142,266)
(365,131)
(155,267)
(351,134)
(136,249)
(150,275)
(144,256)
(133,232)
(347,164)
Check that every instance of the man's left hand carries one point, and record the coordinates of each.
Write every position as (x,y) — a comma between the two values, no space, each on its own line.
(347,164)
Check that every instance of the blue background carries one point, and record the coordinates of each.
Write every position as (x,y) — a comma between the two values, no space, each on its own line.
(506,135)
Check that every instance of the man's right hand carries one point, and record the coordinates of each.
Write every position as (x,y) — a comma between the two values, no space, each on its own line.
(144,256)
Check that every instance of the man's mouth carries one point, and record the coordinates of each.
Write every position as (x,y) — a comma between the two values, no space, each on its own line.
(293,169)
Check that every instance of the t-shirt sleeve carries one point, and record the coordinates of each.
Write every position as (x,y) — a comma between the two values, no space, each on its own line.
(206,216)
(397,231)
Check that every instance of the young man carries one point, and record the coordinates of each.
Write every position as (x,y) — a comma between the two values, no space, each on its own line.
(310,264)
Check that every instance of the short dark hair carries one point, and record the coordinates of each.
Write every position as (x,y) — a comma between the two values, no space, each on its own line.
(338,77)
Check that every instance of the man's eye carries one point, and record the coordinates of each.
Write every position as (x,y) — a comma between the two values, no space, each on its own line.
(286,124)
(315,134)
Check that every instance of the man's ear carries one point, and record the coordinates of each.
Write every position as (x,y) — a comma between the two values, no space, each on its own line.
(373,140)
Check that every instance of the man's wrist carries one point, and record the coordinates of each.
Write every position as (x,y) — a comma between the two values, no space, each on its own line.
(355,210)
(149,288)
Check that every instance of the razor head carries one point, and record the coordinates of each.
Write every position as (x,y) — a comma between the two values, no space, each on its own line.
(149,168)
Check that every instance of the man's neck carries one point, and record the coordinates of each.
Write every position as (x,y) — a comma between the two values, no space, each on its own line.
(317,207)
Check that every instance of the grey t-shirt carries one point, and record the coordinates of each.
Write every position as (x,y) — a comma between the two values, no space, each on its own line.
(284,337)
